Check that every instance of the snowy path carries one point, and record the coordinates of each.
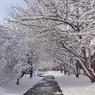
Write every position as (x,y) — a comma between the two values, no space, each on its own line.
(47,86)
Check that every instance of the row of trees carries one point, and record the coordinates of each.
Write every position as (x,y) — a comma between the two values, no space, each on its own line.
(61,29)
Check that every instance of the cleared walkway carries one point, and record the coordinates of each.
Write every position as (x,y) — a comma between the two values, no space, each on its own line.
(47,86)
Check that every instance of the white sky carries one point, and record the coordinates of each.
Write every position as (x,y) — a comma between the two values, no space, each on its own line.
(6,4)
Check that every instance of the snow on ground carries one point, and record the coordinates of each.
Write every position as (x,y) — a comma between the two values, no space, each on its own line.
(25,84)
(70,85)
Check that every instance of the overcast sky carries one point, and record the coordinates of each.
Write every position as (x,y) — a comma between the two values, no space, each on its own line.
(6,4)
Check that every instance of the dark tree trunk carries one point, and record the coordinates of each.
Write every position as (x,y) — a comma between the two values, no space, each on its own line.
(61,70)
(22,74)
(93,63)
(31,73)
(31,70)
(77,70)
(64,70)
(94,68)
(17,82)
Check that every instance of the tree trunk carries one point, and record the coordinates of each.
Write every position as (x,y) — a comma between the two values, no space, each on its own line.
(84,64)
(77,69)
(75,73)
(61,70)
(69,73)
(64,70)
(94,67)
(88,71)
(92,76)
(93,63)
(31,73)
(17,82)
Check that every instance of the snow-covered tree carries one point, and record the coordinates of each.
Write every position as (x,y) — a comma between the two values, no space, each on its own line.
(68,24)
(6,40)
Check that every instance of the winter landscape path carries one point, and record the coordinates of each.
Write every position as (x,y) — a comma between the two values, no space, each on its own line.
(47,86)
